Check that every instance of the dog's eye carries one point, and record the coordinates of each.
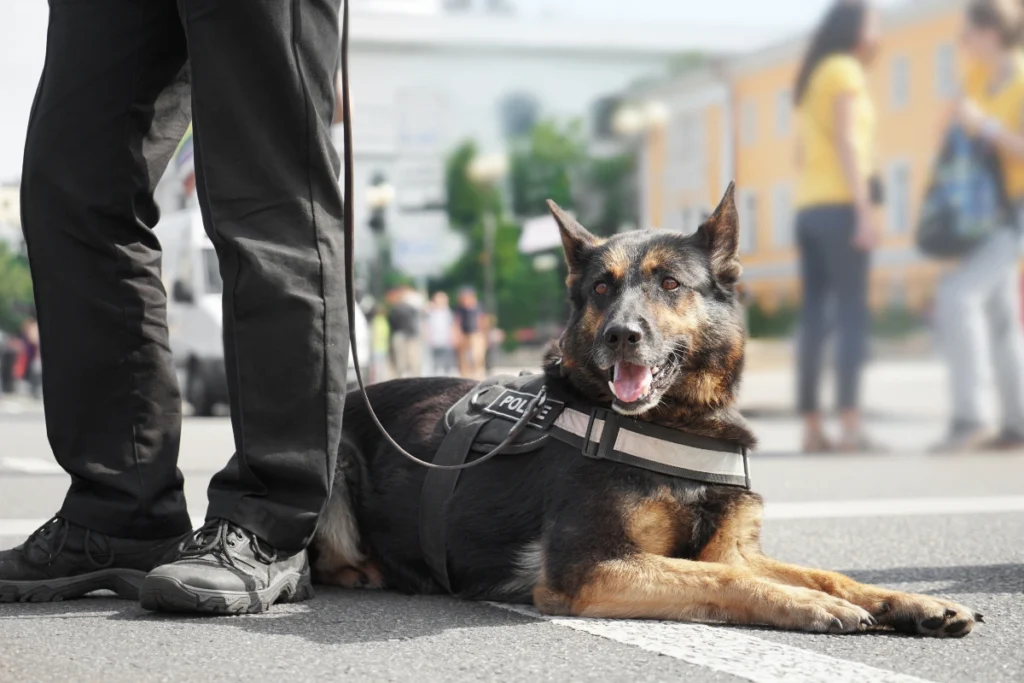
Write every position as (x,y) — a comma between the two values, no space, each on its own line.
(601,288)
(670,284)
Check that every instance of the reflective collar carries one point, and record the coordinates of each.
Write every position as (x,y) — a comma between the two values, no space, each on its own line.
(605,435)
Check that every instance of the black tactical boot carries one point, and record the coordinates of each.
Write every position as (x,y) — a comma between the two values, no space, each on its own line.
(62,560)
(225,569)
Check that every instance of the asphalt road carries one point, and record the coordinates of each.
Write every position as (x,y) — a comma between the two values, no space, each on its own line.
(945,526)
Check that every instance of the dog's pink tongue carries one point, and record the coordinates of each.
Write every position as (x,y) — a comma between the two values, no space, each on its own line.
(631,382)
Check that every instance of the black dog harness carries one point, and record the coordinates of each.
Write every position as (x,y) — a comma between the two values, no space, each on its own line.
(485,417)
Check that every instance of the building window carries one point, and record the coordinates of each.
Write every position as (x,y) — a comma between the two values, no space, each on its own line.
(783,112)
(782,216)
(748,221)
(686,143)
(692,218)
(687,221)
(748,124)
(602,113)
(421,118)
(945,71)
(898,197)
(900,82)
(519,112)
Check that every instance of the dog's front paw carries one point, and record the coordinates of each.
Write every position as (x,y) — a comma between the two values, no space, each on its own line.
(817,612)
(925,616)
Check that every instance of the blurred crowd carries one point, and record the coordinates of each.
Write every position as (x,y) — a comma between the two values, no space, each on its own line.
(413,336)
(20,365)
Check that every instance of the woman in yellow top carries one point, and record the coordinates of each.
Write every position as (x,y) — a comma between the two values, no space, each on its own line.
(835,221)
(978,302)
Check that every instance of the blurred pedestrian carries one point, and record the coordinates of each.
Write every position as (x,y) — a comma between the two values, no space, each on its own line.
(495,338)
(380,345)
(441,333)
(471,341)
(405,318)
(31,370)
(258,78)
(836,225)
(9,350)
(978,302)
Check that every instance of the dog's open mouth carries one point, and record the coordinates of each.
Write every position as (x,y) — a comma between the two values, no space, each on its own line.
(634,386)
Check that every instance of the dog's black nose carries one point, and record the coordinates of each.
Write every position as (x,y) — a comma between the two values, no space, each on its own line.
(621,336)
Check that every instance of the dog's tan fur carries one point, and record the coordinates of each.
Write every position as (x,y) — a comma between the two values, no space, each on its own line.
(733,582)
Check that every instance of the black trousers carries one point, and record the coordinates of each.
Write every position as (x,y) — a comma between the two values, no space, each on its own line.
(121,81)
(833,272)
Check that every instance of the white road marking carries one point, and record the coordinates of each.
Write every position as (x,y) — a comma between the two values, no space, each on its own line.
(893,507)
(727,651)
(29,466)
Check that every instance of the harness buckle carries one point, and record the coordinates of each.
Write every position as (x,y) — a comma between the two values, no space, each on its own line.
(593,448)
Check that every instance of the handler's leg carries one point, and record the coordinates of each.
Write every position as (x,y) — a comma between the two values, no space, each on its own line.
(112,104)
(263,101)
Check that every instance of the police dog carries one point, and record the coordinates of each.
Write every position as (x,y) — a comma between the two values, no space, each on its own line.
(655,332)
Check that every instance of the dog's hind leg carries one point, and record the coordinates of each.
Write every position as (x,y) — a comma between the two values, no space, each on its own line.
(337,544)
(649,586)
(736,543)
(364,576)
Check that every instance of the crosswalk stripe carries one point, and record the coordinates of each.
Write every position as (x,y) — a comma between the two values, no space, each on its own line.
(727,651)
(893,507)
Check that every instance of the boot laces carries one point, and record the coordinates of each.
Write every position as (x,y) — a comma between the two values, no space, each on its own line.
(51,538)
(217,536)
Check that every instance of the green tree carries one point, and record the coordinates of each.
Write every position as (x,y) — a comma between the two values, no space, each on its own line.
(15,289)
(544,165)
(551,161)
(519,291)
(467,201)
(610,194)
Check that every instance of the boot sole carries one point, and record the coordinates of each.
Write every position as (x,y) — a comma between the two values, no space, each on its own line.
(166,594)
(124,582)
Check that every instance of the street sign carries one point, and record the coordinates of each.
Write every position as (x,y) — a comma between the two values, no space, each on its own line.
(422,244)
(421,180)
(539,234)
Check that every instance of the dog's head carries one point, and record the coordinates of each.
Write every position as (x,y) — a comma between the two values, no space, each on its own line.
(655,327)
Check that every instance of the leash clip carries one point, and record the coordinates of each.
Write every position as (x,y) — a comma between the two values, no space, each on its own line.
(474,400)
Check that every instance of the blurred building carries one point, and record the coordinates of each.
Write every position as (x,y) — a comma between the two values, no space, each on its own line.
(734,119)
(429,74)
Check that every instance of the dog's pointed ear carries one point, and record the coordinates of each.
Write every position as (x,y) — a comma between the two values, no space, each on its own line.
(721,233)
(576,240)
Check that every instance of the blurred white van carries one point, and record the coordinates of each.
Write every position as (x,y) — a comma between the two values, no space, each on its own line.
(194,287)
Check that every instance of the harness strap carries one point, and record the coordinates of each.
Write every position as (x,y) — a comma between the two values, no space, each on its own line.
(438,488)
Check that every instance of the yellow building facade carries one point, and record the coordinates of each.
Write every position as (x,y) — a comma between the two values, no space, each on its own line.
(735,120)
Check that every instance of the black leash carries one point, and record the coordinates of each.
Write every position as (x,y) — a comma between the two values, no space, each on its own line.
(532,408)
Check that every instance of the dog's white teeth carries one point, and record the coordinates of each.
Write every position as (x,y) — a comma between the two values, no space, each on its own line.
(656,370)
